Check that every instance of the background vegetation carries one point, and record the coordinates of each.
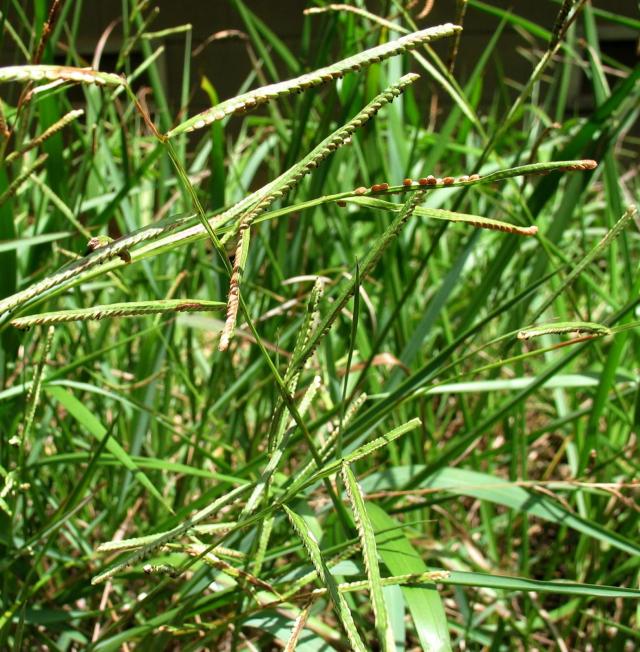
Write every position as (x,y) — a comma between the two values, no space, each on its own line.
(387,455)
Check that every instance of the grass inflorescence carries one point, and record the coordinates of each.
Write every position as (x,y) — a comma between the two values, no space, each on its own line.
(344,361)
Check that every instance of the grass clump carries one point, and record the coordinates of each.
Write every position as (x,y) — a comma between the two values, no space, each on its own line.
(282,372)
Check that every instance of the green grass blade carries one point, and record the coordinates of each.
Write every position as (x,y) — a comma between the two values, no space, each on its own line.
(90,422)
(401,558)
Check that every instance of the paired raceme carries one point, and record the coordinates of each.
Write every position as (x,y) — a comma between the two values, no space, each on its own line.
(99,256)
(280,450)
(289,180)
(163,232)
(252,99)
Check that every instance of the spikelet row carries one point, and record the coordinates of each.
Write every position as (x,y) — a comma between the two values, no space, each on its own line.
(37,73)
(252,99)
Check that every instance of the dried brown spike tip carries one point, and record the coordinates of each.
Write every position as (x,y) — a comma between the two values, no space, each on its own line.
(448,181)
(587,164)
(187,306)
(407,182)
(360,191)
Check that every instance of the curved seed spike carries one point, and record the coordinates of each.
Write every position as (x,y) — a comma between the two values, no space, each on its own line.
(233,302)
(63,73)
(560,24)
(21,178)
(33,397)
(428,577)
(133,309)
(564,327)
(298,627)
(53,129)
(284,184)
(257,202)
(315,78)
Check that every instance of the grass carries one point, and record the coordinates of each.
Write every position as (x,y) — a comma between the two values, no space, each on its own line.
(354,369)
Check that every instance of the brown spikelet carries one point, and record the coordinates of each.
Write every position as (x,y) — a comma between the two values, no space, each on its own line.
(474,177)
(423,181)
(360,191)
(47,28)
(506,228)
(407,182)
(587,164)
(188,306)
(431,180)
(447,181)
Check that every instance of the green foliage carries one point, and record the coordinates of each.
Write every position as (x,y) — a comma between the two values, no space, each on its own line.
(414,427)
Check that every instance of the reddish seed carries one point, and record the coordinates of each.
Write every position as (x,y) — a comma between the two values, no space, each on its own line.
(407,182)
(384,186)
(341,203)
(448,181)
(360,191)
(185,307)
(431,180)
(423,181)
